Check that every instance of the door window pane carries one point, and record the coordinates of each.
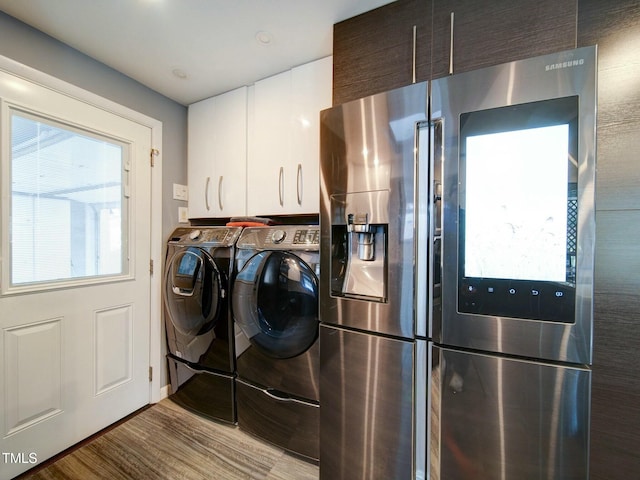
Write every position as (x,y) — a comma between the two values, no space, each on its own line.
(68,207)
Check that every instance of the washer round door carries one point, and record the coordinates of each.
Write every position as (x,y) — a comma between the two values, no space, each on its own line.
(275,303)
(193,291)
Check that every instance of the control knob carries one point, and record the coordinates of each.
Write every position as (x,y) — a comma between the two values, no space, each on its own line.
(278,236)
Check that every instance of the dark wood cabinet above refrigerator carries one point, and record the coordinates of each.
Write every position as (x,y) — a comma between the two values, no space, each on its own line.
(487,33)
(374,52)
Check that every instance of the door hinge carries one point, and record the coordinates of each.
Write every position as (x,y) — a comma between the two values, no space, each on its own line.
(151,266)
(150,374)
(154,152)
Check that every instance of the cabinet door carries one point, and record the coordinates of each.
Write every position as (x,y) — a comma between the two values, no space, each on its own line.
(311,92)
(373,52)
(615,424)
(230,154)
(200,151)
(269,145)
(489,33)
(217,163)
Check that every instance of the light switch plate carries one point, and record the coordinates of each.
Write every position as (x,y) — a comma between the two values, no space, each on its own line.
(183,215)
(180,192)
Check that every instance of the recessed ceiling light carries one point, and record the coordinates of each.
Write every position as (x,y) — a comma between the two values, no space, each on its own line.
(178,72)
(264,38)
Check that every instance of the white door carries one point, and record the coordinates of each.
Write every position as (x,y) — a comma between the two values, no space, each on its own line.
(75,292)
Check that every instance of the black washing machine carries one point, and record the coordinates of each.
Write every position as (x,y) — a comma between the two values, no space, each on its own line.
(275,306)
(198,320)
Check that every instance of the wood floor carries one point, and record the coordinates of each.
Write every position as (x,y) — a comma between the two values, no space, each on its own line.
(167,442)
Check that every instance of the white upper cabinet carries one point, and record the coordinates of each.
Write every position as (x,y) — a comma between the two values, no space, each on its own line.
(269,146)
(217,166)
(311,92)
(255,150)
(284,140)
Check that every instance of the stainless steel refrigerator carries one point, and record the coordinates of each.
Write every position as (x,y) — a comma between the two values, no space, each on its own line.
(373,151)
(510,383)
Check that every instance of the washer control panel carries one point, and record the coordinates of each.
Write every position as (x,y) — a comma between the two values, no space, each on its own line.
(282,237)
(210,236)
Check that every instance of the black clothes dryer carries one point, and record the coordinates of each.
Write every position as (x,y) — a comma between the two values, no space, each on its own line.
(275,306)
(198,321)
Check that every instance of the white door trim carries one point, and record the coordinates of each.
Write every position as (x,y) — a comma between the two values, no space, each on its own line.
(43,79)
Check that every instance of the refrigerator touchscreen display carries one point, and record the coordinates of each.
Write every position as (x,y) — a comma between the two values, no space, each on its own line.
(517,216)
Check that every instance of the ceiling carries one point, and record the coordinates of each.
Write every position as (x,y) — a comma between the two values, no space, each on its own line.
(188,50)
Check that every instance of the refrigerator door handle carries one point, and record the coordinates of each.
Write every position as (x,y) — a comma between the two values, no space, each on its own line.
(428,231)
(422,229)
(436,156)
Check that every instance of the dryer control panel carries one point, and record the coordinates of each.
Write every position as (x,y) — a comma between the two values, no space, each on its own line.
(307,237)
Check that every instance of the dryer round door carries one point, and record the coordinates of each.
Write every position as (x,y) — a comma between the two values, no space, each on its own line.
(193,291)
(275,303)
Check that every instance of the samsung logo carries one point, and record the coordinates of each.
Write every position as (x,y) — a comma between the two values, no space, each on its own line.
(569,64)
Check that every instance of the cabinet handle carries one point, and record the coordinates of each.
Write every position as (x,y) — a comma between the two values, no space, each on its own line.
(451,46)
(220,193)
(415,35)
(299,184)
(280,397)
(206,193)
(277,395)
(281,186)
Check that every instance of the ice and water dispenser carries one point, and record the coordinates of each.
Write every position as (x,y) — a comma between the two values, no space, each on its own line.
(359,250)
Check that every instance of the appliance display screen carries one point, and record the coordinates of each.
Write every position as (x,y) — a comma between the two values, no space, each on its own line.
(307,237)
(518,209)
(512,231)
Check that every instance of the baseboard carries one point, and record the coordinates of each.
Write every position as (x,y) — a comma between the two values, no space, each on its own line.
(164,392)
